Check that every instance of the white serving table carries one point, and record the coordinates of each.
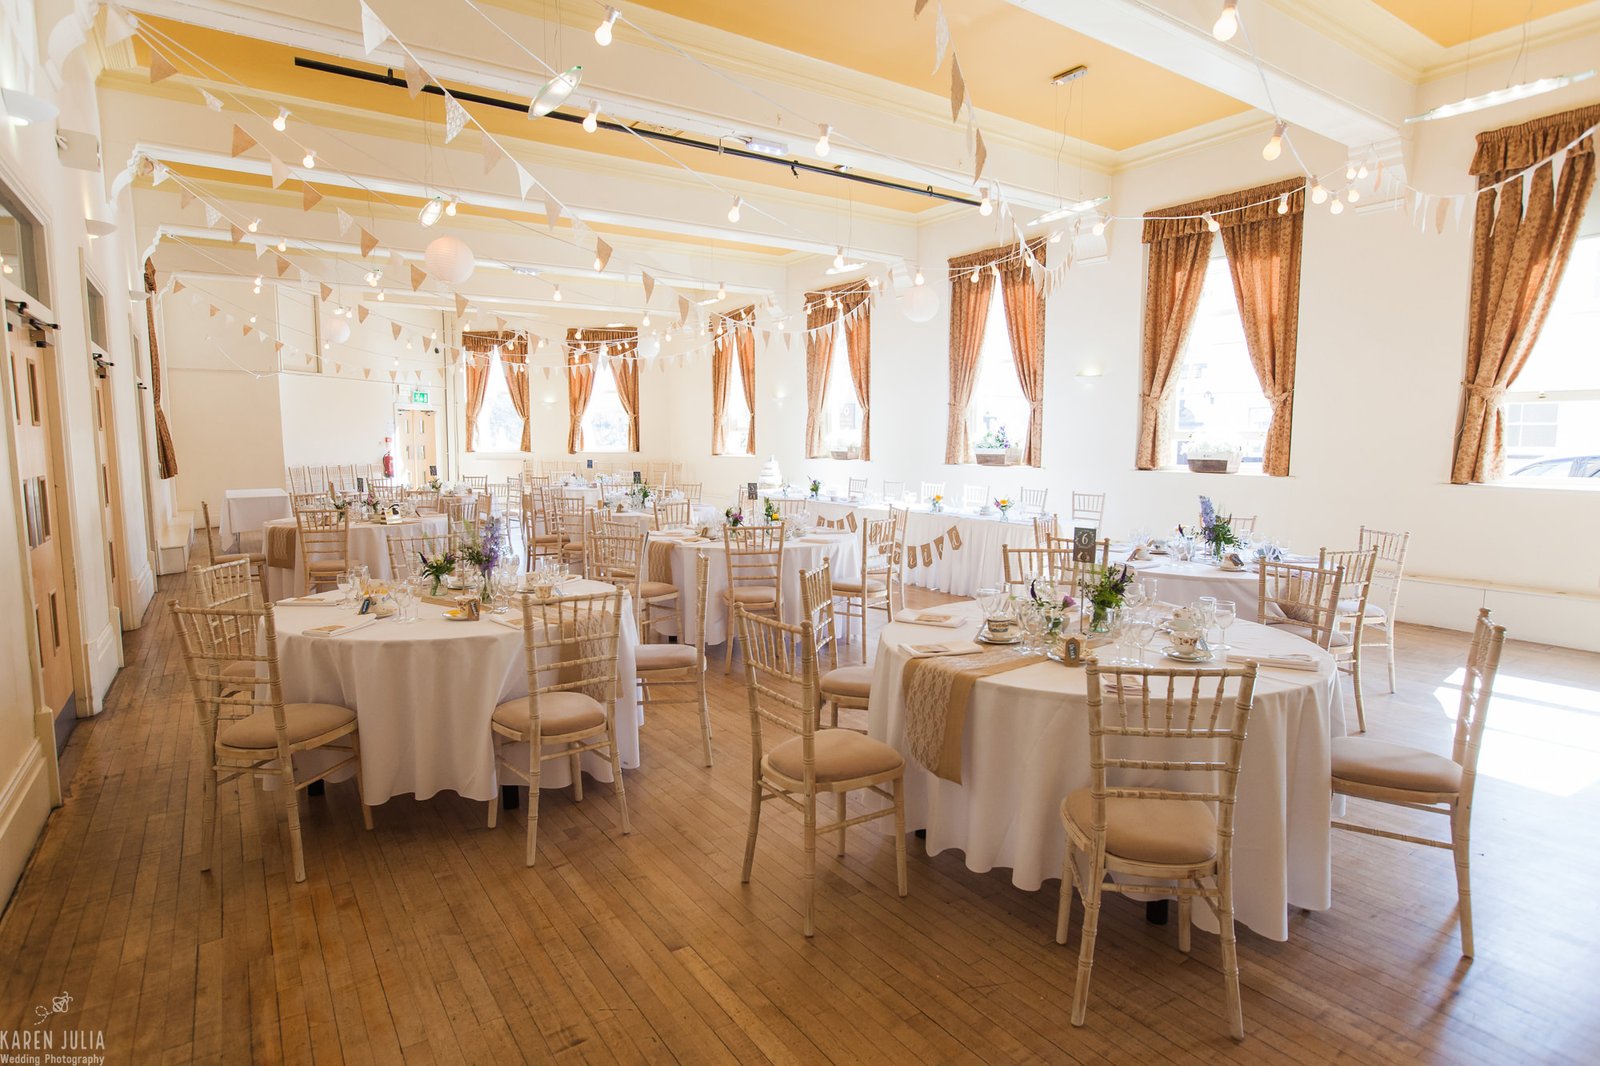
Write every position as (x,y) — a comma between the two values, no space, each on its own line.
(248,511)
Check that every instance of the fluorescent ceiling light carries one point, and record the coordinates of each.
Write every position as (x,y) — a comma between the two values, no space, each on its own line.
(99,227)
(553,93)
(765,146)
(526,271)
(1070,74)
(708,301)
(1064,210)
(1497,97)
(25,110)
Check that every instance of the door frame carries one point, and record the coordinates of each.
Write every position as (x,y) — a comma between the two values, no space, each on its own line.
(103,390)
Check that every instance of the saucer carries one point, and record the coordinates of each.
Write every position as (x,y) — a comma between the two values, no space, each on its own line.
(981,639)
(1171,651)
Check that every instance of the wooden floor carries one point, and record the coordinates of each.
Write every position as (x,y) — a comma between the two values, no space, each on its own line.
(428,941)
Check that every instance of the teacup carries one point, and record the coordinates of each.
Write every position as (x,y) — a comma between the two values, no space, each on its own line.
(1000,628)
(1188,641)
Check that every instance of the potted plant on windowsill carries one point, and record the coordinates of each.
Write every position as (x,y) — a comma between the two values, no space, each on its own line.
(1212,457)
(996,449)
(852,452)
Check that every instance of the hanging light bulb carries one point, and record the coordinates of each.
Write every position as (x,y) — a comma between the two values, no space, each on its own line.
(283,244)
(450,208)
(722,291)
(431,211)
(380,296)
(838,258)
(973,277)
(822,141)
(733,212)
(591,121)
(556,296)
(1319,194)
(281,123)
(986,206)
(1211,224)
(255,224)
(258,281)
(1337,207)
(1227,23)
(602,32)
(1362,171)
(1350,172)
(310,160)
(828,301)
(918,279)
(1274,147)
(252,320)
(1353,194)
(666,338)
(1099,228)
(1283,204)
(645,321)
(598,264)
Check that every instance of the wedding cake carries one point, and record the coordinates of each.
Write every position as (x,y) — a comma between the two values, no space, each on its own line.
(771,479)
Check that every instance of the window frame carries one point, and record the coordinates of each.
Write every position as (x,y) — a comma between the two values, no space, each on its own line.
(839,368)
(995,317)
(605,381)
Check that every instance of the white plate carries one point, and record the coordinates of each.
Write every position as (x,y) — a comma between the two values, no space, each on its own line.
(1171,652)
(981,639)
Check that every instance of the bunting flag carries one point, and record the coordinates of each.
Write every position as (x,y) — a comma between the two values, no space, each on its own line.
(119,25)
(160,68)
(368,242)
(212,310)
(552,211)
(327,291)
(524,180)
(684,308)
(235,232)
(248,330)
(455,117)
(602,253)
(361,313)
(177,286)
(958,88)
(1439,216)
(416,80)
(373,31)
(393,374)
(418,276)
(649,285)
(394,329)
(980,156)
(309,196)
(491,153)
(366,372)
(280,170)
(499,324)
(546,372)
(941,36)
(211,101)
(338,368)
(185,198)
(283,265)
(397,263)
(916,11)
(461,304)
(345,221)
(277,347)
(213,216)
(242,142)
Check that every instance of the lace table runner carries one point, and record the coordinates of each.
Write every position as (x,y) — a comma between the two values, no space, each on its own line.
(937,690)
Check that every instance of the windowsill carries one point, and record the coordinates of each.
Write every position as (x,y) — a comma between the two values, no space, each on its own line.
(1241,472)
(499,456)
(1553,484)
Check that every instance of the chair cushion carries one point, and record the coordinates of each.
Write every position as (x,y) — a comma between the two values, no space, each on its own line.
(548,538)
(327,566)
(1168,832)
(1341,638)
(665,657)
(855,681)
(301,721)
(651,590)
(841,754)
(559,713)
(854,587)
(230,557)
(238,670)
(1377,762)
(572,549)
(750,594)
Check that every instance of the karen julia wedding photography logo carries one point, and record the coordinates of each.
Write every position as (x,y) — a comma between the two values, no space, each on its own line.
(51,1041)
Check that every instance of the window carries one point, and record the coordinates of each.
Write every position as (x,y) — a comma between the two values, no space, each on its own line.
(841,411)
(999,410)
(1218,400)
(1552,412)
(605,423)
(499,427)
(736,414)
(21,249)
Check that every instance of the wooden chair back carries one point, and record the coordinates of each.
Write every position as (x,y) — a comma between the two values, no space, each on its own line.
(569,644)
(1088,508)
(478,483)
(1472,715)
(691,491)
(893,490)
(426,501)
(324,534)
(1245,526)
(670,513)
(222,584)
(1389,565)
(1032,500)
(1044,530)
(857,486)
(780,671)
(927,490)
(974,497)
(215,638)
(788,509)
(1022,566)
(1300,595)
(816,599)
(407,553)
(616,557)
(753,556)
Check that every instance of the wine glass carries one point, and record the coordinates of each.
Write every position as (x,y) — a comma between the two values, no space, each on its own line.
(1206,608)
(1144,631)
(346,581)
(1033,622)
(404,600)
(1150,589)
(1225,613)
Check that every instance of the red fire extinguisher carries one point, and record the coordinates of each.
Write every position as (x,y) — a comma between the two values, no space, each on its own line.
(388,458)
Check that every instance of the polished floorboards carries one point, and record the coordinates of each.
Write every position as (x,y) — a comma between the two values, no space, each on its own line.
(427,940)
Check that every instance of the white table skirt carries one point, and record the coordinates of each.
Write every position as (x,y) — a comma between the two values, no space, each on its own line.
(842,550)
(369,547)
(423,693)
(1183,583)
(961,572)
(247,511)
(1025,747)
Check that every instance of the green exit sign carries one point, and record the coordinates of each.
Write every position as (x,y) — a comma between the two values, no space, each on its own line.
(419,395)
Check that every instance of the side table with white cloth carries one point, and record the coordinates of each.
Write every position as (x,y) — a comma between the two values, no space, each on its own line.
(939,563)
(1024,747)
(369,547)
(424,691)
(247,511)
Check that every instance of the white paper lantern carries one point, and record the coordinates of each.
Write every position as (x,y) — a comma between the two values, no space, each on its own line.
(449,259)
(335,330)
(919,303)
(649,346)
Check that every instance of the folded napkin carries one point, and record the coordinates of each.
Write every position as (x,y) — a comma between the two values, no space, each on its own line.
(511,620)
(339,629)
(942,619)
(305,601)
(1286,661)
(927,651)
(1121,683)
(816,540)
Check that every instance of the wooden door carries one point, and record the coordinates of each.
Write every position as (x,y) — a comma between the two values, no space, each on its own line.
(418,444)
(31,418)
(105,445)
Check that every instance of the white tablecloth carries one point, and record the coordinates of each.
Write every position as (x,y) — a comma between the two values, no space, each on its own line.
(843,550)
(247,511)
(1183,583)
(423,693)
(960,572)
(369,547)
(1025,748)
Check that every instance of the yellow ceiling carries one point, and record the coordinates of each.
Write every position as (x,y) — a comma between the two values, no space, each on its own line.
(1008,56)
(1453,22)
(269,69)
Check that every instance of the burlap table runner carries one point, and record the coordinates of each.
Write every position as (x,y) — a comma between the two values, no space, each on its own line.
(280,546)
(937,690)
(660,564)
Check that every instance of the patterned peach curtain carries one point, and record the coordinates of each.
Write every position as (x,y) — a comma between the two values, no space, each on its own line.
(821,321)
(1264,260)
(580,386)
(624,358)
(969,310)
(722,345)
(745,343)
(1174,274)
(1522,239)
(857,307)
(1023,302)
(166,454)
(478,351)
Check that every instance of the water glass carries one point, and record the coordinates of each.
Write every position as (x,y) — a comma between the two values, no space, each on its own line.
(1226,613)
(346,583)
(405,600)
(1143,633)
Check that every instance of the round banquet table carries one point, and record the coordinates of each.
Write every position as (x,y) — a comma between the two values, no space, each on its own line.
(841,549)
(958,571)
(1025,747)
(424,691)
(1186,582)
(369,547)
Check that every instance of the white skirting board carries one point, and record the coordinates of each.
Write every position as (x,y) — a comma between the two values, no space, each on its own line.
(24,805)
(104,654)
(144,590)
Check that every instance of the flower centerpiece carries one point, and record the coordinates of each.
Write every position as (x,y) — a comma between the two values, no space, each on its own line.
(438,568)
(481,548)
(1055,610)
(816,488)
(640,495)
(1215,530)
(1003,504)
(733,517)
(769,511)
(1212,457)
(1105,594)
(936,503)
(435,484)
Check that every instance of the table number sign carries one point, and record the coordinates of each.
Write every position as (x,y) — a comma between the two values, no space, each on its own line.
(638,478)
(750,490)
(1083,538)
